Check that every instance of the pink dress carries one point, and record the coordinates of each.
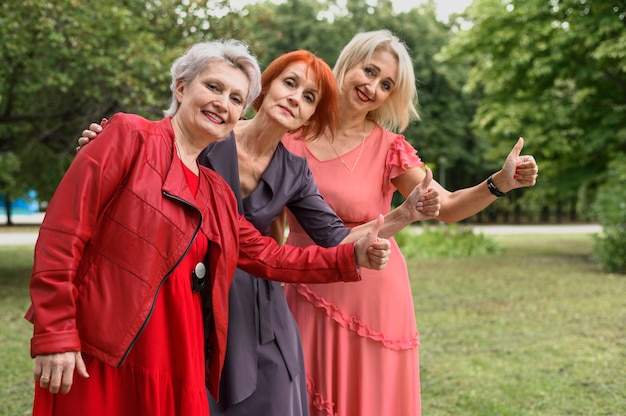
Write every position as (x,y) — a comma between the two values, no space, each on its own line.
(360,339)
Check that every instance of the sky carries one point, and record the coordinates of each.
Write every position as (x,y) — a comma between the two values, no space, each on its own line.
(444,7)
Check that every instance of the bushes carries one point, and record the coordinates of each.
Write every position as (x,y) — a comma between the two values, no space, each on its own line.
(444,241)
(610,209)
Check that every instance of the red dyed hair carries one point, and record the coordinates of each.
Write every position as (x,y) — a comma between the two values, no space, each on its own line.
(326,115)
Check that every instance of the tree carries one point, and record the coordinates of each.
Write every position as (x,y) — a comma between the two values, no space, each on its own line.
(443,137)
(554,72)
(9,166)
(325,27)
(66,63)
(610,207)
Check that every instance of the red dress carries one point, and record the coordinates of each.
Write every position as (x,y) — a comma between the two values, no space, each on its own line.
(163,374)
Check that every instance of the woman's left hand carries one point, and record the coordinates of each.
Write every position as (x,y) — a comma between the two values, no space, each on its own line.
(517,171)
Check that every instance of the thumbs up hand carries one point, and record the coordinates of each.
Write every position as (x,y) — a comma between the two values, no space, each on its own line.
(423,202)
(518,170)
(371,251)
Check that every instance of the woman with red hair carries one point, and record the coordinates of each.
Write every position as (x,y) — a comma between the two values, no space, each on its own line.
(264,368)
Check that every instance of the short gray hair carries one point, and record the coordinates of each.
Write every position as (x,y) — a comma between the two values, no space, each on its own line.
(197,57)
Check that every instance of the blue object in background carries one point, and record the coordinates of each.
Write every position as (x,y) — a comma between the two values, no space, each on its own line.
(21,206)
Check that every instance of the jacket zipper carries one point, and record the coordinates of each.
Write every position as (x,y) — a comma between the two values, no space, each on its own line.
(167,275)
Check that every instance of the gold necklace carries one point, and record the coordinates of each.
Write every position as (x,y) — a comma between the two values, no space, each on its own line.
(360,151)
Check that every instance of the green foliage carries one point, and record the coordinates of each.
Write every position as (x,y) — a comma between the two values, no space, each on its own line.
(610,207)
(50,167)
(57,76)
(553,72)
(9,166)
(443,138)
(444,241)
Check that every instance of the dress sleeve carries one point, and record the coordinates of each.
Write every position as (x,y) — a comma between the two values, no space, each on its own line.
(401,156)
(262,256)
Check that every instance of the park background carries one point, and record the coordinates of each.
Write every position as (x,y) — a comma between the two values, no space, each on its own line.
(531,325)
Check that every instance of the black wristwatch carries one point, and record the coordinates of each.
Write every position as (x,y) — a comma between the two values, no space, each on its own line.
(492,187)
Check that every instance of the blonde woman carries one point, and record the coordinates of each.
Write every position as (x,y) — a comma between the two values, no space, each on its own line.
(360,341)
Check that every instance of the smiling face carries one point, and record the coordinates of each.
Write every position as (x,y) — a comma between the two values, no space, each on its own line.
(367,85)
(292,97)
(211,103)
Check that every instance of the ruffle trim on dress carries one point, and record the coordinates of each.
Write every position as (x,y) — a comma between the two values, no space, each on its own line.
(400,157)
(353,324)
(324,407)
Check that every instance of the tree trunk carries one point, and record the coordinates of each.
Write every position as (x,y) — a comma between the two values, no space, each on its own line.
(7,204)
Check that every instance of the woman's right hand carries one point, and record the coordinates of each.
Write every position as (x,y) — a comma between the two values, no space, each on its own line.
(55,372)
(91,133)
(423,202)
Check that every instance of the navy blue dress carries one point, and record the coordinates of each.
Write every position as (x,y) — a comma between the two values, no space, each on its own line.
(264,369)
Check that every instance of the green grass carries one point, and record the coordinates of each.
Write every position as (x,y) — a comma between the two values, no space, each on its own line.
(536,329)
(15,363)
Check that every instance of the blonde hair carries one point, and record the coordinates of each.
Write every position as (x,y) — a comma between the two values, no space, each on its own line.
(197,57)
(399,109)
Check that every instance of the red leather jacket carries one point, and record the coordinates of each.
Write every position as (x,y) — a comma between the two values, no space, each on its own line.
(119,223)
